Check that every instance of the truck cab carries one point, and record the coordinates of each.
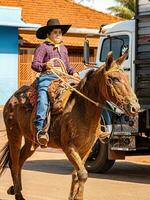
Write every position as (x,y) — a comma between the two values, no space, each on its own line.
(117,38)
(129,135)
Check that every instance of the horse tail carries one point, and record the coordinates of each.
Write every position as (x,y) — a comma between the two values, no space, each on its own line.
(4,158)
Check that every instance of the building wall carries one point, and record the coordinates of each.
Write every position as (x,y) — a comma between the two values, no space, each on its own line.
(26,75)
(8,62)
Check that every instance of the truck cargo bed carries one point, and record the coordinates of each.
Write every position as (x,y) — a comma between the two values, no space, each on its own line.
(142,52)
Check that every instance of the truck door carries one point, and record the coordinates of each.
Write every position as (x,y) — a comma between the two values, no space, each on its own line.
(117,43)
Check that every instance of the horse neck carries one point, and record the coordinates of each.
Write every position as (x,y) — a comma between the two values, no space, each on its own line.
(92,90)
(95,89)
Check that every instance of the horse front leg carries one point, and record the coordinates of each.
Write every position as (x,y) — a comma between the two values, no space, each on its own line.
(75,189)
(74,185)
(80,174)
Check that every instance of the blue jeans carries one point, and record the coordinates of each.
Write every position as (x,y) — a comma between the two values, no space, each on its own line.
(43,82)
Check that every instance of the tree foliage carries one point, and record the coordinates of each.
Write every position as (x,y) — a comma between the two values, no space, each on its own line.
(125,9)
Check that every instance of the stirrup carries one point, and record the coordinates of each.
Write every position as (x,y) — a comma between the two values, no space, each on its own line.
(45,138)
(104,137)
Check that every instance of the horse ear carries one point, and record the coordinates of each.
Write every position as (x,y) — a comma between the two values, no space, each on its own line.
(120,60)
(109,60)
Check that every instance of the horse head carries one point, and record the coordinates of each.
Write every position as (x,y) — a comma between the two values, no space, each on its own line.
(117,86)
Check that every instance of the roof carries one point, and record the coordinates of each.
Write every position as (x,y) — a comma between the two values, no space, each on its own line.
(128,25)
(67,11)
(11,16)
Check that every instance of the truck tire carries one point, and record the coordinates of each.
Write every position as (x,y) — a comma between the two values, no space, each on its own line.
(98,161)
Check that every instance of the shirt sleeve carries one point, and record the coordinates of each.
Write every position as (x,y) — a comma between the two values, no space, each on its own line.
(69,68)
(38,64)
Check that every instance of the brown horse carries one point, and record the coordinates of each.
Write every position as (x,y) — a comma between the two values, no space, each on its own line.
(75,130)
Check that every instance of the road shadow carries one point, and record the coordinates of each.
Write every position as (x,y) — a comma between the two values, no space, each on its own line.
(121,171)
(127,172)
(49,166)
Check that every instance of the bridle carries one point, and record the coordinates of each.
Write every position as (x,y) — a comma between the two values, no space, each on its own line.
(121,101)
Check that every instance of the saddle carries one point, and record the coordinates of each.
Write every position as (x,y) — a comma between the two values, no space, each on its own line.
(58,94)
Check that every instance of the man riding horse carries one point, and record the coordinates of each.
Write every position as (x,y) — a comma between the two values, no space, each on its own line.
(52,47)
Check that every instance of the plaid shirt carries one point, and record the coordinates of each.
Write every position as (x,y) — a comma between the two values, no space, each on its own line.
(46,51)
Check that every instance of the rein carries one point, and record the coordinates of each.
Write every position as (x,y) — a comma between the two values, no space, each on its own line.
(64,72)
(73,89)
(84,96)
(52,69)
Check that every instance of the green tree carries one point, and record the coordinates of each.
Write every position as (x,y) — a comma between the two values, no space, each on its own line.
(125,9)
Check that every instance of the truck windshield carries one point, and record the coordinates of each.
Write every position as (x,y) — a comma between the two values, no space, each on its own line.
(117,44)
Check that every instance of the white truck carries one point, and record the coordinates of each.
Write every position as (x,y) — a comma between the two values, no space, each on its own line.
(129,136)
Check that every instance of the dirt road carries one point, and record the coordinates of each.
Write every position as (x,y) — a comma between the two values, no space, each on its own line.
(46,176)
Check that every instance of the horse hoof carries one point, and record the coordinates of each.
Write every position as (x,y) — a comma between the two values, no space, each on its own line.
(11,191)
(19,197)
(78,198)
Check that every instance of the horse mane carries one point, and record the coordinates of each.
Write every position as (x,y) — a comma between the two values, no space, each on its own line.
(81,88)
(81,84)
(85,79)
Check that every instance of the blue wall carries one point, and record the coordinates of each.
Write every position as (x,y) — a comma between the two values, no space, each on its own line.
(8,62)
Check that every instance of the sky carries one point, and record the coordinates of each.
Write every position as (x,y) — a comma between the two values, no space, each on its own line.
(100,5)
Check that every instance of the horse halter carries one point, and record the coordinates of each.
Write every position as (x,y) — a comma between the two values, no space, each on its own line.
(121,101)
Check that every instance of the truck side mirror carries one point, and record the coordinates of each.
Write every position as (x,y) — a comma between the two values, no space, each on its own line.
(86,52)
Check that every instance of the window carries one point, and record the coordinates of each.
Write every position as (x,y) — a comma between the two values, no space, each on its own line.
(116,44)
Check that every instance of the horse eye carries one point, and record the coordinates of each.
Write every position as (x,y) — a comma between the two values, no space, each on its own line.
(114,79)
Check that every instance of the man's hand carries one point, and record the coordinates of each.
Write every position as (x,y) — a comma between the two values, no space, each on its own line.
(49,65)
(76,75)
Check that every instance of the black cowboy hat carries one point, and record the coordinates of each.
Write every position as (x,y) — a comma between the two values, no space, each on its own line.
(51,24)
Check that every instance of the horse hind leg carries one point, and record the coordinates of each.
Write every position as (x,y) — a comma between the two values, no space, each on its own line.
(14,140)
(78,181)
(25,153)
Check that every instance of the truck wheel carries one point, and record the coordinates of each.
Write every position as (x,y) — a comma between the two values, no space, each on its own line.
(97,161)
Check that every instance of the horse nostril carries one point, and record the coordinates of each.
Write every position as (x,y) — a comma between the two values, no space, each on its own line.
(133,110)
